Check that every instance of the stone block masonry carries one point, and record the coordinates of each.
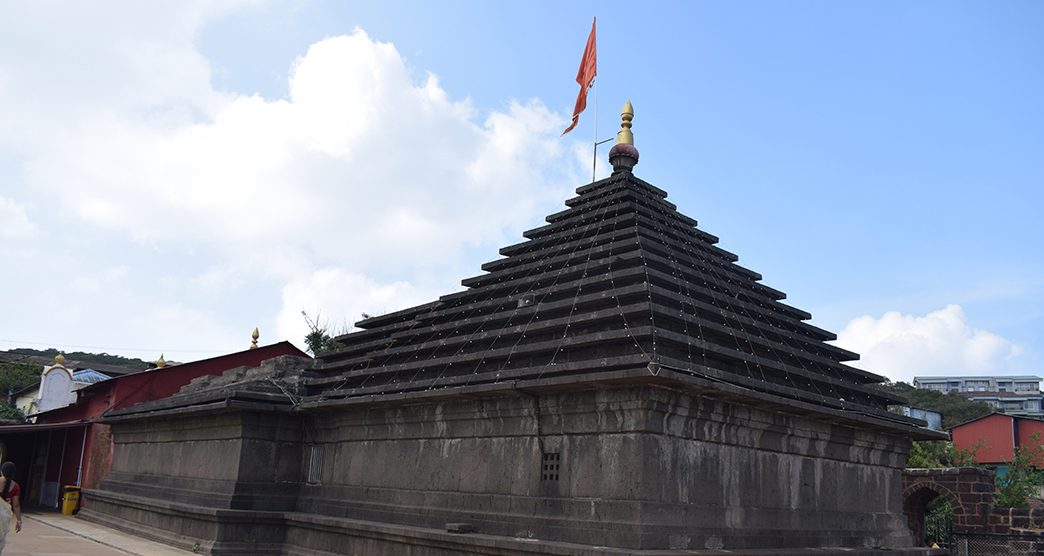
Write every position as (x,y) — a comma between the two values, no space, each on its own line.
(638,467)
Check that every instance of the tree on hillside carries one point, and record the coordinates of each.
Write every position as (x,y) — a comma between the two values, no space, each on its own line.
(15,376)
(88,358)
(954,409)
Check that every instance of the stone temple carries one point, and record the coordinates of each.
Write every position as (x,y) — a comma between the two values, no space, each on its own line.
(614,384)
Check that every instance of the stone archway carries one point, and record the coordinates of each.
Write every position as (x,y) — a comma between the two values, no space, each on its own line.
(916,503)
(970,490)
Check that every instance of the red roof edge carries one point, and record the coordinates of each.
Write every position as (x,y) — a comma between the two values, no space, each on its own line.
(279,348)
(33,427)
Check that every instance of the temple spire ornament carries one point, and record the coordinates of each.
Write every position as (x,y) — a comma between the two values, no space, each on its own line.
(161,362)
(253,338)
(624,156)
(624,136)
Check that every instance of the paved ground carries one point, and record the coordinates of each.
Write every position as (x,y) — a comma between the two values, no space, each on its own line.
(50,534)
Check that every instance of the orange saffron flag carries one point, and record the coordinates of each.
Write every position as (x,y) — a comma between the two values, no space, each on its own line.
(585,77)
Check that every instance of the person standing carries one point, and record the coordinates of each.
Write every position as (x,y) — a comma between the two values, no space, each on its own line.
(11,494)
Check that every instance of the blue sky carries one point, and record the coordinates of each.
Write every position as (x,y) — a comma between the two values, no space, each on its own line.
(175,174)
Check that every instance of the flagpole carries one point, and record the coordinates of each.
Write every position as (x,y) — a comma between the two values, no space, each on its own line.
(594,153)
(594,157)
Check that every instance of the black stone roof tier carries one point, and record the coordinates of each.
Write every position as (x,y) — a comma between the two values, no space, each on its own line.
(620,280)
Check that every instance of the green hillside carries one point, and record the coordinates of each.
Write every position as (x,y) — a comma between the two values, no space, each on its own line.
(87,358)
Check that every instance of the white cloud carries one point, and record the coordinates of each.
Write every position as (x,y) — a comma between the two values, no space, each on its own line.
(83,283)
(328,293)
(14,220)
(68,68)
(363,166)
(360,153)
(903,346)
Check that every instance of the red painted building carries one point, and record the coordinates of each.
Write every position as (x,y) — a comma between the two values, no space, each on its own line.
(67,447)
(993,438)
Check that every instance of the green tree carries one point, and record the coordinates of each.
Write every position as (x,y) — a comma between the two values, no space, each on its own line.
(955,409)
(939,513)
(15,376)
(1022,479)
(88,358)
(941,453)
(9,412)
(318,339)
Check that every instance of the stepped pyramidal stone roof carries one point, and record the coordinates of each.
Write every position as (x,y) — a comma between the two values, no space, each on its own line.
(618,286)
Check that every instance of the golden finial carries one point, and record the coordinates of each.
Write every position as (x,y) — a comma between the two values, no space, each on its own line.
(253,338)
(59,359)
(623,156)
(161,362)
(625,137)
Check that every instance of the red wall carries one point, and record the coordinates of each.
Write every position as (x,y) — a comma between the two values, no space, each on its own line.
(995,434)
(125,391)
(97,459)
(1027,428)
(154,384)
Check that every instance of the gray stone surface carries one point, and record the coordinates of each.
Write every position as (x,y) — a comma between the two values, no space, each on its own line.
(240,460)
(641,467)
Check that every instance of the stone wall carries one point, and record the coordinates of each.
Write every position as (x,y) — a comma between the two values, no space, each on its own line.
(640,467)
(236,460)
(970,491)
(204,482)
(614,470)
(980,528)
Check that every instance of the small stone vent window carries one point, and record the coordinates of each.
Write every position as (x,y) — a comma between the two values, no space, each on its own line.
(550,467)
(314,463)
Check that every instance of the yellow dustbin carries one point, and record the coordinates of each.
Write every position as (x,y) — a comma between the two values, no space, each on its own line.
(70,498)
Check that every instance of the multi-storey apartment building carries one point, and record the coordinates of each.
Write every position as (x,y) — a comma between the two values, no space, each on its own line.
(1015,395)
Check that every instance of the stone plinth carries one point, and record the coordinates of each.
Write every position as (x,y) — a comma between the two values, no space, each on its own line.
(638,467)
(642,467)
